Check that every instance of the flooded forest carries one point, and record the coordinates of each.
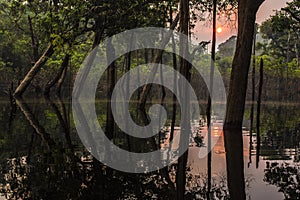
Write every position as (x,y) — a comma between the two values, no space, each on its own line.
(130,100)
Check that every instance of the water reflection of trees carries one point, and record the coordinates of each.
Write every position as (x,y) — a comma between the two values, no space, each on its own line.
(56,169)
(286,177)
(197,187)
(276,117)
(280,130)
(42,158)
(281,144)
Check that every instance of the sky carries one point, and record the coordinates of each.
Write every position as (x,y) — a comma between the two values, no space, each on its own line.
(204,33)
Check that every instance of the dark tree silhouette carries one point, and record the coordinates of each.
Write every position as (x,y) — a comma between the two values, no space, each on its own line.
(247,10)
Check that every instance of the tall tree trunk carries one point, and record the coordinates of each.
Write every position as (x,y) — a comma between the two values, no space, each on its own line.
(208,112)
(13,109)
(111,82)
(261,78)
(163,90)
(153,146)
(127,85)
(33,71)
(162,100)
(174,106)
(288,58)
(252,94)
(34,43)
(297,54)
(247,10)
(138,74)
(185,117)
(97,38)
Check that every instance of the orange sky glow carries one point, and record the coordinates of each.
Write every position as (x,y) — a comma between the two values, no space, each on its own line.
(204,33)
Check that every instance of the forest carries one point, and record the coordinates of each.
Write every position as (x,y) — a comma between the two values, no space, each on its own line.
(54,53)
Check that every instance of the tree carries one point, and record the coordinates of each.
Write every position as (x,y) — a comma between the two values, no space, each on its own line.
(281,33)
(227,48)
(281,46)
(185,71)
(33,71)
(61,24)
(293,9)
(247,10)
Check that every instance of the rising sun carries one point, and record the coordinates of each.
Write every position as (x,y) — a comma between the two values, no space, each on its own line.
(219,30)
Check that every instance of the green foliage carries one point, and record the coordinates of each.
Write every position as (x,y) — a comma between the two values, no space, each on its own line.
(227,48)
(27,27)
(281,36)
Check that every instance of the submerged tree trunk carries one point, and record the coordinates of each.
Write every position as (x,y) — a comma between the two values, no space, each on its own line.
(33,71)
(247,10)
(208,111)
(153,145)
(185,117)
(174,106)
(111,82)
(138,74)
(127,85)
(252,95)
(261,78)
(13,109)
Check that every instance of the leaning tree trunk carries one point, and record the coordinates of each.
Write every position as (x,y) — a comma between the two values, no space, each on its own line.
(247,10)
(33,121)
(61,81)
(157,59)
(97,39)
(60,73)
(33,71)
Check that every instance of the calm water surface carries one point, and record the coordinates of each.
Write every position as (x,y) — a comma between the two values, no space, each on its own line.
(42,157)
